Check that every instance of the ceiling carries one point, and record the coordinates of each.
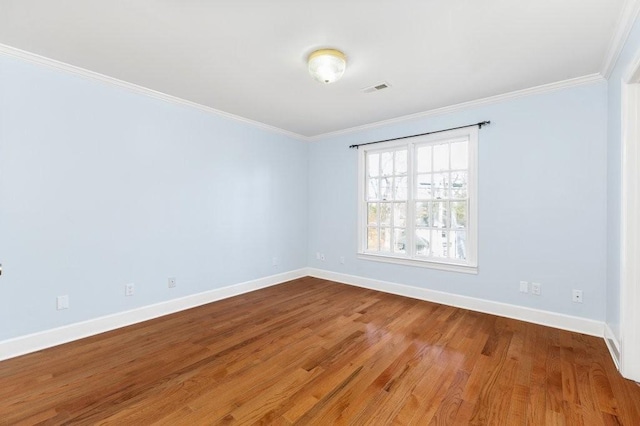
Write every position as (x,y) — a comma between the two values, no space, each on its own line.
(248,58)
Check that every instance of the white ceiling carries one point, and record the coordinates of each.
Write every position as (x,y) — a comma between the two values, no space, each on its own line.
(248,58)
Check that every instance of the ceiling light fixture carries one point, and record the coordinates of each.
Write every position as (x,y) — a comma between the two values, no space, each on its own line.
(327,65)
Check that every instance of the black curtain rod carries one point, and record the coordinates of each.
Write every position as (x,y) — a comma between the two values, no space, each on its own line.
(482,123)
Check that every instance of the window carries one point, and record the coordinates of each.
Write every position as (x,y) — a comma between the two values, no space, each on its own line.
(418,202)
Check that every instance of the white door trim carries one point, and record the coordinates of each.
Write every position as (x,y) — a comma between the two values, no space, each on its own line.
(630,232)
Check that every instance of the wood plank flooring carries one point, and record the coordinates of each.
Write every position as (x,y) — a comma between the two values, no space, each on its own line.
(315,352)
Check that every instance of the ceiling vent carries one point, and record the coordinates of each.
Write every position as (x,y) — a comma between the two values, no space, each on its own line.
(376,87)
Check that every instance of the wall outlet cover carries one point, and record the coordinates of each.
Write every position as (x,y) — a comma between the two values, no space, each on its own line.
(524,287)
(129,289)
(576,296)
(536,288)
(62,302)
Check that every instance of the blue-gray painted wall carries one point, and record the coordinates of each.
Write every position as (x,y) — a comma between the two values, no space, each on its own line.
(100,187)
(542,202)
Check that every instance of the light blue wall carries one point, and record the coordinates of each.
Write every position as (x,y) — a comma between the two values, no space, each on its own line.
(100,187)
(542,202)
(630,53)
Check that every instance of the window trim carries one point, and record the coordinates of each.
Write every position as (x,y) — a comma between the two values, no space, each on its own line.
(471,265)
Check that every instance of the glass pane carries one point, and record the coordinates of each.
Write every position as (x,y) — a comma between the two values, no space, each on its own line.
(458,214)
(439,214)
(439,243)
(372,214)
(385,188)
(459,156)
(373,164)
(423,162)
(399,240)
(387,163)
(400,188)
(373,189)
(385,214)
(458,245)
(400,214)
(422,242)
(459,185)
(385,239)
(423,216)
(372,239)
(423,186)
(440,157)
(441,185)
(401,162)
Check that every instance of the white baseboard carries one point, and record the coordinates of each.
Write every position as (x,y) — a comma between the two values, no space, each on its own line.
(612,344)
(45,339)
(536,316)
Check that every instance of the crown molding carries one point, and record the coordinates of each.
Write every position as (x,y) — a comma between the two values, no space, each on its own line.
(545,88)
(38,59)
(52,63)
(623,29)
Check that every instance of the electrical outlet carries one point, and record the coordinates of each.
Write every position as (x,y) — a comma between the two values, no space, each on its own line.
(322,257)
(129,289)
(536,289)
(342,260)
(62,302)
(171,282)
(524,287)
(318,255)
(274,261)
(576,296)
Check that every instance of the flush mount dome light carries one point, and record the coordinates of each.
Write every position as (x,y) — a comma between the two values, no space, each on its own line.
(327,65)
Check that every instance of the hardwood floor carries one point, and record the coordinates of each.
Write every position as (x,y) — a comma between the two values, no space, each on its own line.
(315,352)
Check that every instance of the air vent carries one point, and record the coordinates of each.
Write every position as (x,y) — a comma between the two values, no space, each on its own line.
(376,87)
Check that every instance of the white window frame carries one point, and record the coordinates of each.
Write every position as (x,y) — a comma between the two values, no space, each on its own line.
(470,266)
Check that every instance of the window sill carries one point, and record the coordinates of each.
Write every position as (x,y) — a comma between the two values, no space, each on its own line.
(419,263)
